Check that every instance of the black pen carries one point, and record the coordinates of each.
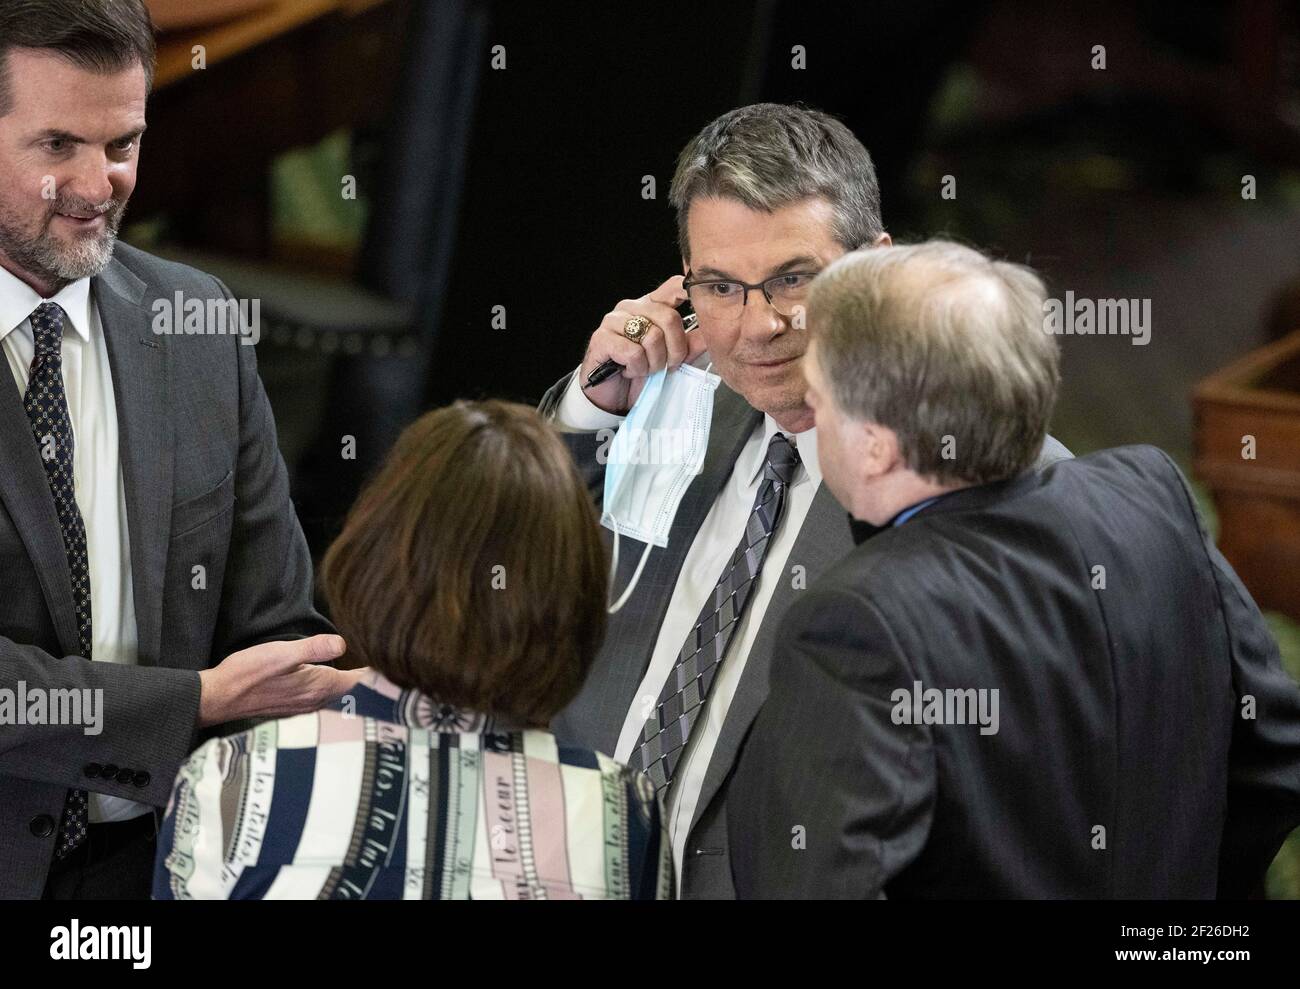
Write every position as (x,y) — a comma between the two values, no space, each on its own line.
(608,368)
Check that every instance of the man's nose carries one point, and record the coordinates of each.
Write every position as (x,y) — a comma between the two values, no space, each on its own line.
(91,180)
(759,321)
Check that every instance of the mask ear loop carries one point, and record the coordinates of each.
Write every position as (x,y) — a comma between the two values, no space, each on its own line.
(613,574)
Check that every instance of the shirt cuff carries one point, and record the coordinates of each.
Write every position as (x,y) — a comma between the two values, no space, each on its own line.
(576,413)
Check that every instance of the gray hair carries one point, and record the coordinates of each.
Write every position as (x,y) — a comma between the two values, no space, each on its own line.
(770,155)
(945,347)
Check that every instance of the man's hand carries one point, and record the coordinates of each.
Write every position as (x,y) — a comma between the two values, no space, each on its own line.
(665,344)
(274,680)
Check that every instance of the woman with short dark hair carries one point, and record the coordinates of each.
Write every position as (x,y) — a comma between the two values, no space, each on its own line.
(470,578)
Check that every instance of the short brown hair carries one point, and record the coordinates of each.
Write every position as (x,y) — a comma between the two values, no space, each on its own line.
(944,346)
(471,568)
(99,35)
(769,155)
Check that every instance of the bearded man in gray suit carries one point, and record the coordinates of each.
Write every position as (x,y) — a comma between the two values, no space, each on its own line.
(154,581)
(766,197)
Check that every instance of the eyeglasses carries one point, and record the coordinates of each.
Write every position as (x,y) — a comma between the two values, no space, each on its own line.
(722,299)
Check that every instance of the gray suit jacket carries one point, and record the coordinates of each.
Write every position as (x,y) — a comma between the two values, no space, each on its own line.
(595,718)
(205,486)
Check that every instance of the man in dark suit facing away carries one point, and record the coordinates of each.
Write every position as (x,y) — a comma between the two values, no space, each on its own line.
(150,559)
(1023,684)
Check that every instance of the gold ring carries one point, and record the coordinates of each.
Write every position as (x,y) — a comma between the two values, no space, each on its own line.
(635,328)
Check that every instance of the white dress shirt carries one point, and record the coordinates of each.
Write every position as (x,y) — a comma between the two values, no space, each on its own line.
(714,543)
(96,471)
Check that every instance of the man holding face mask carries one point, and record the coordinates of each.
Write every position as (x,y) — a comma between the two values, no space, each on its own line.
(721,481)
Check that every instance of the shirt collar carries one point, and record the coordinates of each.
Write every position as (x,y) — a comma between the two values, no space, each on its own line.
(18,301)
(908,512)
(752,456)
(375,696)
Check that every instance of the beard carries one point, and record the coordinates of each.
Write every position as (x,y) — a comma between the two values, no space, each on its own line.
(57,261)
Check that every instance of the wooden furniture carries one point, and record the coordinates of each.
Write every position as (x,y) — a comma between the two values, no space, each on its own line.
(1258,500)
(264,22)
(172,15)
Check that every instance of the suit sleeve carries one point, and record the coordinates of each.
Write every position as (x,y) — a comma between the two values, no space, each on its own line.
(1264,755)
(588,448)
(267,594)
(145,720)
(837,798)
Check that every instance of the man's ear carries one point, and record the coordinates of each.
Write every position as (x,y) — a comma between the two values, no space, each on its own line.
(884,240)
(878,449)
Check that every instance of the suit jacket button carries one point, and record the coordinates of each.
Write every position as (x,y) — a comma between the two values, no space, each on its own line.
(92,769)
(125,775)
(108,771)
(141,778)
(42,825)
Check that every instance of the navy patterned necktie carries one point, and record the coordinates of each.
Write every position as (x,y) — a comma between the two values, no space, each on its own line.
(668,729)
(47,409)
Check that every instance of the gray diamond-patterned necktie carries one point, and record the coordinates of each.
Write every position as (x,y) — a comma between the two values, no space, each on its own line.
(47,408)
(668,729)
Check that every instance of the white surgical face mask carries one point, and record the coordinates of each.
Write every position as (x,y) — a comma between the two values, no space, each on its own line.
(657,451)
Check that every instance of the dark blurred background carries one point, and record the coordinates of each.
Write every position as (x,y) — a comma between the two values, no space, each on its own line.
(436,199)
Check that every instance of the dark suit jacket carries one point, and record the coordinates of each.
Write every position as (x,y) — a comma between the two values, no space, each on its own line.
(595,718)
(1122,765)
(205,485)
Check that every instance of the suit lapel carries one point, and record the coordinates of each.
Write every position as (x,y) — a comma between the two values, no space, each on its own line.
(25,492)
(823,539)
(137,360)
